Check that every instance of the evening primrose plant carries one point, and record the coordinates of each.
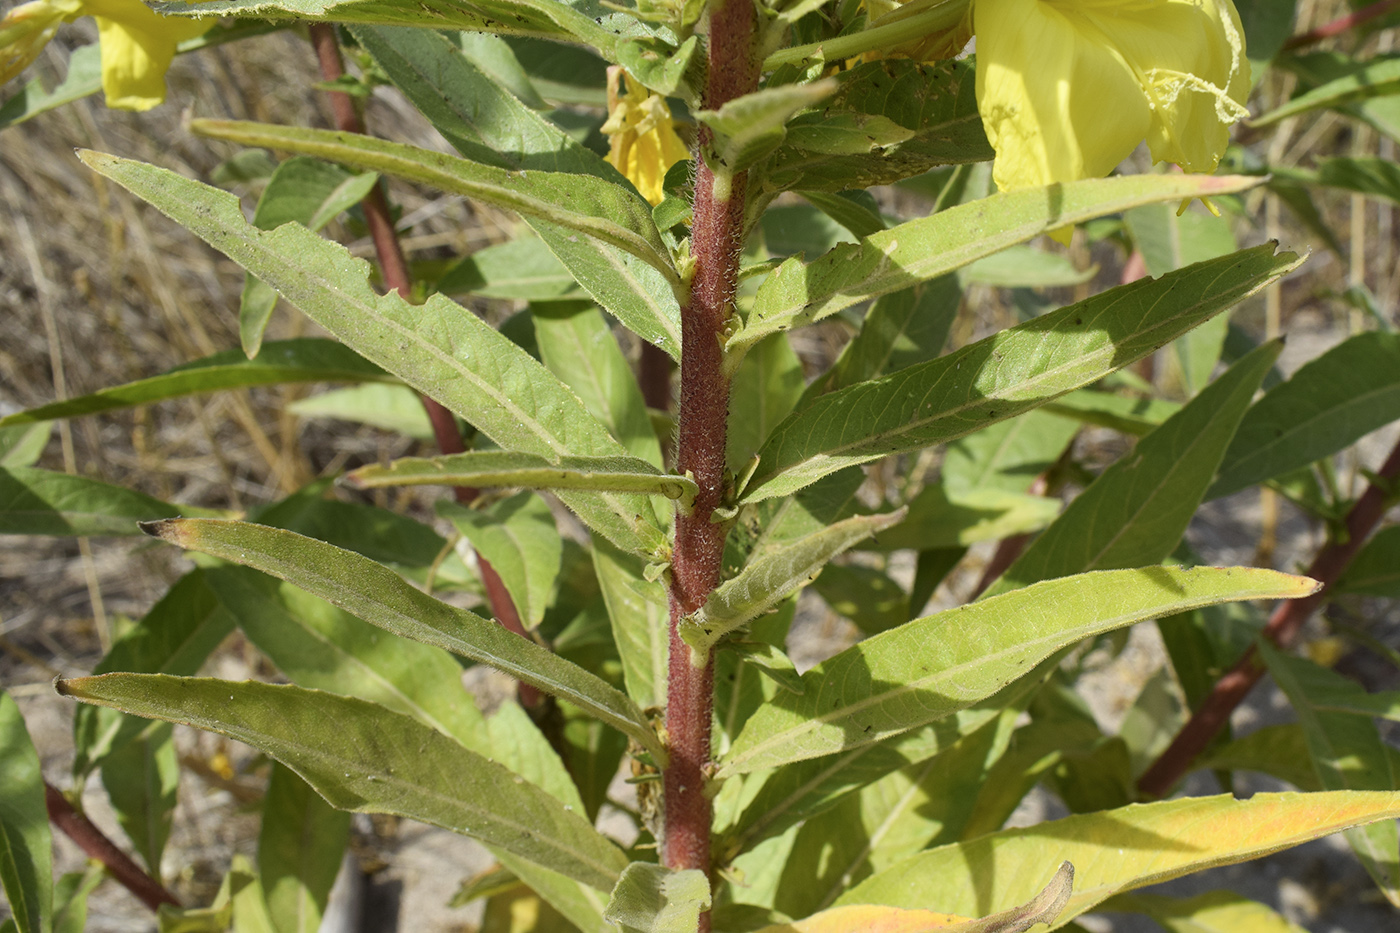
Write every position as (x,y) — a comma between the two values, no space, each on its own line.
(647,472)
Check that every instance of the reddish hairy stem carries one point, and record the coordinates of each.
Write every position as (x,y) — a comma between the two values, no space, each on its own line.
(96,844)
(1341,24)
(1282,630)
(716,239)
(393,267)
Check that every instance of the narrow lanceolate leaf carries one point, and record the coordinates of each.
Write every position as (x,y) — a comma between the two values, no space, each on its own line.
(305,191)
(518,537)
(925,670)
(141,778)
(1377,78)
(749,127)
(300,846)
(639,611)
(1117,850)
(1375,571)
(1345,393)
(771,578)
(44,502)
(304,360)
(483,121)
(1005,374)
(437,347)
(1347,753)
(1134,514)
(582,203)
(913,252)
(362,757)
(317,646)
(383,598)
(652,899)
(492,468)
(26,846)
(174,637)
(1040,909)
(545,19)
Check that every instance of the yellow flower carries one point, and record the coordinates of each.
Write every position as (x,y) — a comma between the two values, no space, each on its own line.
(642,140)
(137,44)
(1068,88)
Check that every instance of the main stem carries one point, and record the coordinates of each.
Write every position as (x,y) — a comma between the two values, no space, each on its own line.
(715,241)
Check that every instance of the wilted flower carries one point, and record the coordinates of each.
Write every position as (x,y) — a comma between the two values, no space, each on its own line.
(137,44)
(1068,88)
(642,140)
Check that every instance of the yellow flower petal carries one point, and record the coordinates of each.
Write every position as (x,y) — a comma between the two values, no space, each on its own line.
(26,29)
(1068,88)
(642,139)
(137,48)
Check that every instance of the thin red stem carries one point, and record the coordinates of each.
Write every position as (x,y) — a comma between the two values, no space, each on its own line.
(716,240)
(1282,630)
(393,267)
(96,844)
(1341,24)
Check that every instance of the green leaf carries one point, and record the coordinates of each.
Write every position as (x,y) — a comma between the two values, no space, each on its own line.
(300,846)
(362,757)
(519,539)
(522,268)
(141,778)
(662,67)
(1170,240)
(174,637)
(437,347)
(43,502)
(578,346)
(788,229)
(383,598)
(930,668)
(22,445)
(383,405)
(494,57)
(303,360)
(1117,850)
(1025,267)
(640,613)
(1009,455)
(1121,413)
(1376,78)
(484,122)
(26,846)
(1134,514)
(1348,754)
(764,390)
(887,121)
(857,211)
(771,577)
(867,597)
(940,519)
(1005,374)
(305,191)
(1327,404)
(321,647)
(491,468)
(749,127)
(888,821)
(581,904)
(769,661)
(1375,177)
(919,250)
(901,329)
(1213,912)
(84,77)
(70,898)
(1375,571)
(1279,751)
(583,203)
(546,19)
(652,899)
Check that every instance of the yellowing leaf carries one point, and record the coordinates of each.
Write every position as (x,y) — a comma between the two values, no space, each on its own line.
(1117,850)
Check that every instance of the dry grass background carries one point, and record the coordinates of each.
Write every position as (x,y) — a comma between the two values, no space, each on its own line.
(97,289)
